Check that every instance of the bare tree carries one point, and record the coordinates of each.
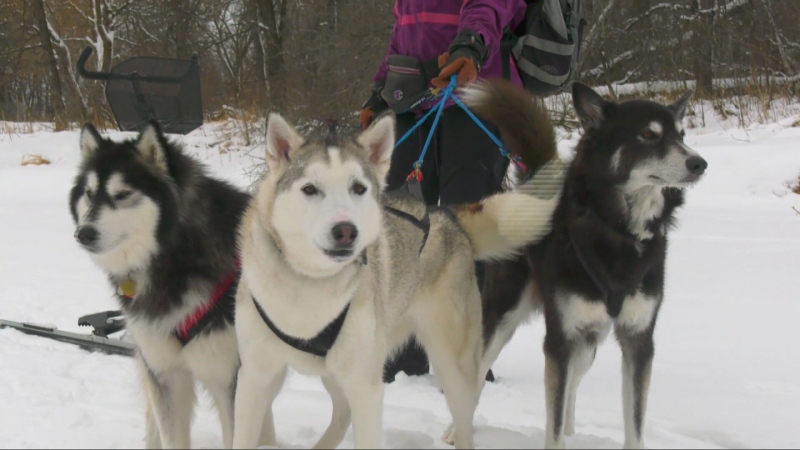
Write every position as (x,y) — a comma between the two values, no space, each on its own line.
(51,65)
(272,26)
(314,59)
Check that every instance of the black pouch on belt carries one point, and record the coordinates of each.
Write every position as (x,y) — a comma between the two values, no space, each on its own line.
(407,76)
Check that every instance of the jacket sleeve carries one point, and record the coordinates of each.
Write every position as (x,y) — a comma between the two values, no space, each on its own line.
(383,67)
(489,17)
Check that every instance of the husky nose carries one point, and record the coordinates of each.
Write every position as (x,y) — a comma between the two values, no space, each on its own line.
(86,235)
(696,165)
(344,233)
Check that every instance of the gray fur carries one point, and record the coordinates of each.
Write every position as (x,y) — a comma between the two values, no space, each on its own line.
(431,293)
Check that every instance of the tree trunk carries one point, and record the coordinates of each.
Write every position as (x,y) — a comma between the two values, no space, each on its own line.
(271,24)
(704,46)
(51,64)
(104,34)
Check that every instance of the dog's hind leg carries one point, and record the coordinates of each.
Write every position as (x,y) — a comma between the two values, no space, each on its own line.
(501,337)
(340,415)
(256,388)
(637,364)
(172,397)
(454,344)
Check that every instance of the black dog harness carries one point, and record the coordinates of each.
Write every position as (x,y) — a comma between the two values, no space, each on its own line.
(322,343)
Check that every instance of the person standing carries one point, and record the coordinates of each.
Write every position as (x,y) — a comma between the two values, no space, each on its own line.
(432,40)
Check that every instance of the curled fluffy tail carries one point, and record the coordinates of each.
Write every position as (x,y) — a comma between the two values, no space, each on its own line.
(503,224)
(525,126)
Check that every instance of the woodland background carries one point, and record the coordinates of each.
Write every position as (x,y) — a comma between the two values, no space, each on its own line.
(314,59)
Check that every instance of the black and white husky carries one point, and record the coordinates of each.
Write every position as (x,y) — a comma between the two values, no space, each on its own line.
(602,265)
(164,232)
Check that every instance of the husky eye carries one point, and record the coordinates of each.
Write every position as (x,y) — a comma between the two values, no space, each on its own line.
(358,188)
(89,195)
(310,190)
(649,135)
(122,195)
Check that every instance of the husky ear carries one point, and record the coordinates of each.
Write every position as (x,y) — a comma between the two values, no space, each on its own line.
(90,140)
(152,146)
(679,107)
(590,107)
(378,140)
(282,139)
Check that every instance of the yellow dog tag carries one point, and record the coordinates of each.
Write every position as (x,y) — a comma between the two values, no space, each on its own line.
(127,288)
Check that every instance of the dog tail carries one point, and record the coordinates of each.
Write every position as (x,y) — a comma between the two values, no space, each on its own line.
(524,124)
(501,225)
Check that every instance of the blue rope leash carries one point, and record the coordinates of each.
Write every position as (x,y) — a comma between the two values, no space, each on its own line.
(503,150)
(416,125)
(438,108)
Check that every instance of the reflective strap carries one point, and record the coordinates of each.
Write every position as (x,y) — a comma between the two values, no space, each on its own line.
(535,72)
(530,69)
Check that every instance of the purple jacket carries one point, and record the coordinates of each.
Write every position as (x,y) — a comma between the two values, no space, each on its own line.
(425,29)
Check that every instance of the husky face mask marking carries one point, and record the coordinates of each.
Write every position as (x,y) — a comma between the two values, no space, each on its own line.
(647,138)
(116,222)
(111,212)
(328,193)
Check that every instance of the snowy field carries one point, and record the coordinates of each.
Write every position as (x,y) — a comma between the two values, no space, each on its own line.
(727,365)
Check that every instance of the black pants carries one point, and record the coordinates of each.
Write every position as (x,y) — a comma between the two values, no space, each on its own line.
(462,165)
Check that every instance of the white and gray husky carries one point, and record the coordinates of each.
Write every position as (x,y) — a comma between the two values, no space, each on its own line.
(336,274)
(164,232)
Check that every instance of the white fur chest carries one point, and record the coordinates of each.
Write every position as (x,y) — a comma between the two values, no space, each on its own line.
(298,305)
(644,204)
(580,317)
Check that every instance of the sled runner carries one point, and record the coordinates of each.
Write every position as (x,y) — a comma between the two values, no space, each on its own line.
(103,324)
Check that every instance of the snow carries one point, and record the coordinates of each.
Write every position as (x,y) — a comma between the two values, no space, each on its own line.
(726,366)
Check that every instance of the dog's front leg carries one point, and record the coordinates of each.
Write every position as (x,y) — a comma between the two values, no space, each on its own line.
(365,396)
(340,415)
(556,373)
(152,440)
(172,397)
(223,396)
(581,361)
(255,391)
(637,364)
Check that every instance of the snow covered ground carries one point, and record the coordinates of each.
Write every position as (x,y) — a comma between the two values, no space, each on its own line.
(726,372)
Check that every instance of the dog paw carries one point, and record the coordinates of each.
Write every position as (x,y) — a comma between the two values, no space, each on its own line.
(449,436)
